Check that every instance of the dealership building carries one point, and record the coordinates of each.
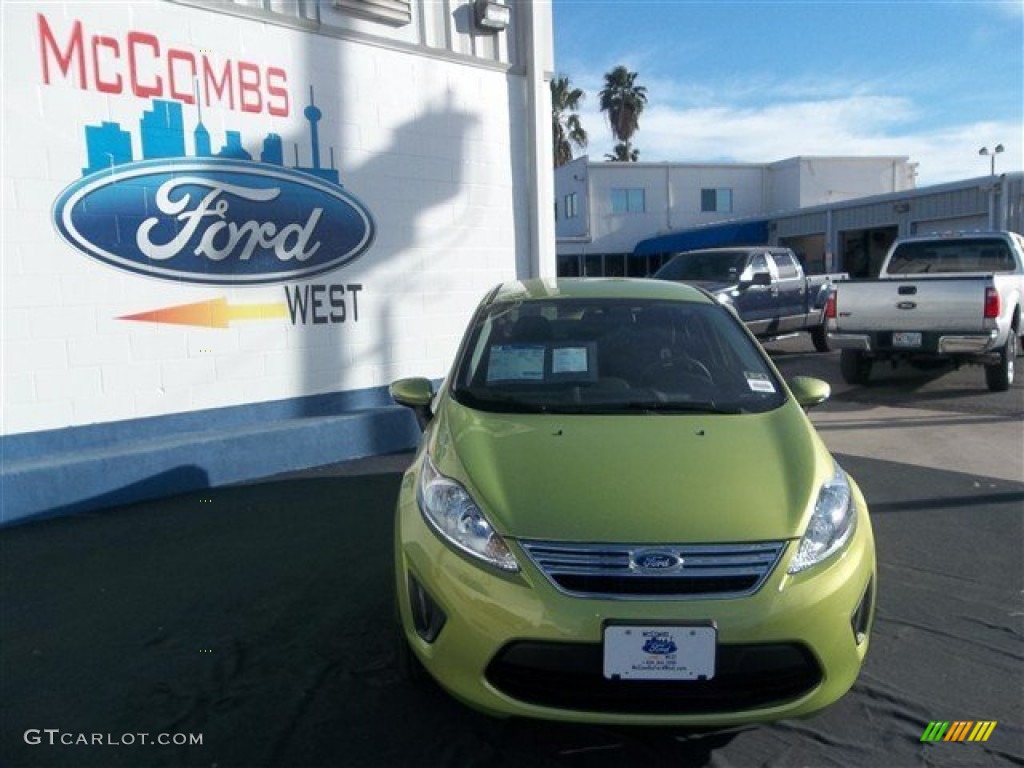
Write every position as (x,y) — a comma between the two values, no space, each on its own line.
(839,214)
(227,226)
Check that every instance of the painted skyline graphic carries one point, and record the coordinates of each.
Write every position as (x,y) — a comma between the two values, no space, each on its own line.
(167,202)
(163,135)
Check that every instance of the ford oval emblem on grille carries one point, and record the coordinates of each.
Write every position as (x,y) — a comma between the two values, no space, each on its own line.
(656,560)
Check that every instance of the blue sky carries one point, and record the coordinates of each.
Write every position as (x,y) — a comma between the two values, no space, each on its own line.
(763,80)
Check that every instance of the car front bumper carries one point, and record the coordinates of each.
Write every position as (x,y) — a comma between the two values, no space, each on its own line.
(514,645)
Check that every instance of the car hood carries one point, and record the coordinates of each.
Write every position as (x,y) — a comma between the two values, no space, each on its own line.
(636,478)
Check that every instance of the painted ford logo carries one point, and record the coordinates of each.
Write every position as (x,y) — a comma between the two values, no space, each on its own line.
(657,560)
(214,220)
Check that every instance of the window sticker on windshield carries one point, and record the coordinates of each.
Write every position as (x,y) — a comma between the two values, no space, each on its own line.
(516,362)
(569,360)
(759,382)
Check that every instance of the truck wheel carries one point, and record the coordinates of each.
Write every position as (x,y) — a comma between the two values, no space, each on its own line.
(855,366)
(820,338)
(999,376)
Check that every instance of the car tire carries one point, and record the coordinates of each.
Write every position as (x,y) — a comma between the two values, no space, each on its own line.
(855,366)
(820,338)
(999,376)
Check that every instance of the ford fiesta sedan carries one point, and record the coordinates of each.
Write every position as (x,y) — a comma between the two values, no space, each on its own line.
(620,513)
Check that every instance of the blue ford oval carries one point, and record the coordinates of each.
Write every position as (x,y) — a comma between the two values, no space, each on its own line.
(657,560)
(214,221)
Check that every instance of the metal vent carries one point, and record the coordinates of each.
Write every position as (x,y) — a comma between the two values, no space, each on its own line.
(653,571)
(394,12)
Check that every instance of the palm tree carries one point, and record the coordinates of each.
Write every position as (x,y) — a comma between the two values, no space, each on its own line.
(623,153)
(623,101)
(566,128)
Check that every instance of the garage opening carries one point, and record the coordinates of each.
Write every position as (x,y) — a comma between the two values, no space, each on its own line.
(863,250)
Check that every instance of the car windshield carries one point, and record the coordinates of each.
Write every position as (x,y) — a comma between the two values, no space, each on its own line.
(721,266)
(594,356)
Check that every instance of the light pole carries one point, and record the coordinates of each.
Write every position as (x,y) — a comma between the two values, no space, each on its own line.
(995,151)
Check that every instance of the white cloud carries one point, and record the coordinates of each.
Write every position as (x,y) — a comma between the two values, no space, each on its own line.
(802,119)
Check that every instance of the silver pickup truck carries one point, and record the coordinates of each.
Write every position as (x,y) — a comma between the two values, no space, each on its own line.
(953,297)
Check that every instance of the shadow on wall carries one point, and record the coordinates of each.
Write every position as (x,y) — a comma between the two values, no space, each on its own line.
(421,169)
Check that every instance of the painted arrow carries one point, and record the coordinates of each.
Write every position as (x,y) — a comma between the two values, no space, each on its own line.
(215,313)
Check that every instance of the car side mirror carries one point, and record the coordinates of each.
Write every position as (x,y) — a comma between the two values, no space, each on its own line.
(809,391)
(415,393)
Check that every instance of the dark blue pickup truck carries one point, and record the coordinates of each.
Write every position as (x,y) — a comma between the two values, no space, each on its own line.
(766,286)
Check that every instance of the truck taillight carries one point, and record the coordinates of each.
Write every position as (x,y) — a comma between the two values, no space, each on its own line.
(830,305)
(991,303)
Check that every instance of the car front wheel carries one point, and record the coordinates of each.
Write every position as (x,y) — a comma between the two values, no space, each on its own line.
(820,338)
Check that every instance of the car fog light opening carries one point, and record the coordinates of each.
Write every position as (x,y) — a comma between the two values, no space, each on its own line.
(861,618)
(427,617)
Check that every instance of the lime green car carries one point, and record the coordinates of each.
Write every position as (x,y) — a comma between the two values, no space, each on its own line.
(620,513)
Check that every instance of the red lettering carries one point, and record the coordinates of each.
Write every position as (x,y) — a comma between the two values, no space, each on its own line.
(279,108)
(135,40)
(212,85)
(247,87)
(103,63)
(174,56)
(106,86)
(48,45)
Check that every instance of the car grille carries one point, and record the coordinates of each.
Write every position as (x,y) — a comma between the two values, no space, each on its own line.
(569,676)
(686,571)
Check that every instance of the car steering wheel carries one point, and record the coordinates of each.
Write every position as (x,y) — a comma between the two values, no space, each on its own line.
(683,363)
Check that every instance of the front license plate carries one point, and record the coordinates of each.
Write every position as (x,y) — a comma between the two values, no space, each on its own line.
(659,652)
(903,339)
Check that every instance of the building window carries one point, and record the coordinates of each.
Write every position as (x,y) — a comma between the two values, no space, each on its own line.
(716,200)
(571,206)
(628,201)
(308,10)
(395,13)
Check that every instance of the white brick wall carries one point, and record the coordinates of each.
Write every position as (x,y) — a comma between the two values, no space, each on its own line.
(425,143)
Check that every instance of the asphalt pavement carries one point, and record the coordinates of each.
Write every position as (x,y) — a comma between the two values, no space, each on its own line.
(259,617)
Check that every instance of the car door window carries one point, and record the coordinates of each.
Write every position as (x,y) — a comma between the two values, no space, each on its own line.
(758,263)
(786,267)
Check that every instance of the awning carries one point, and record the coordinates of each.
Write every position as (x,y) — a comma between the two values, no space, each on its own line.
(745,233)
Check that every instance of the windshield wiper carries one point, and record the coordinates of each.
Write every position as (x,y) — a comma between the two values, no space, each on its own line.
(665,406)
(498,402)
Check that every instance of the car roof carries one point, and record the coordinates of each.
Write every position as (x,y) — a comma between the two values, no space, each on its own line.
(962,234)
(737,249)
(597,288)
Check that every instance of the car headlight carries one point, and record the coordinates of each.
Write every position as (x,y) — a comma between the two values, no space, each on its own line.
(831,524)
(451,512)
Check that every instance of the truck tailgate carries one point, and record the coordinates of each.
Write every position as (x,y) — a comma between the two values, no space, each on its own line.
(917,303)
